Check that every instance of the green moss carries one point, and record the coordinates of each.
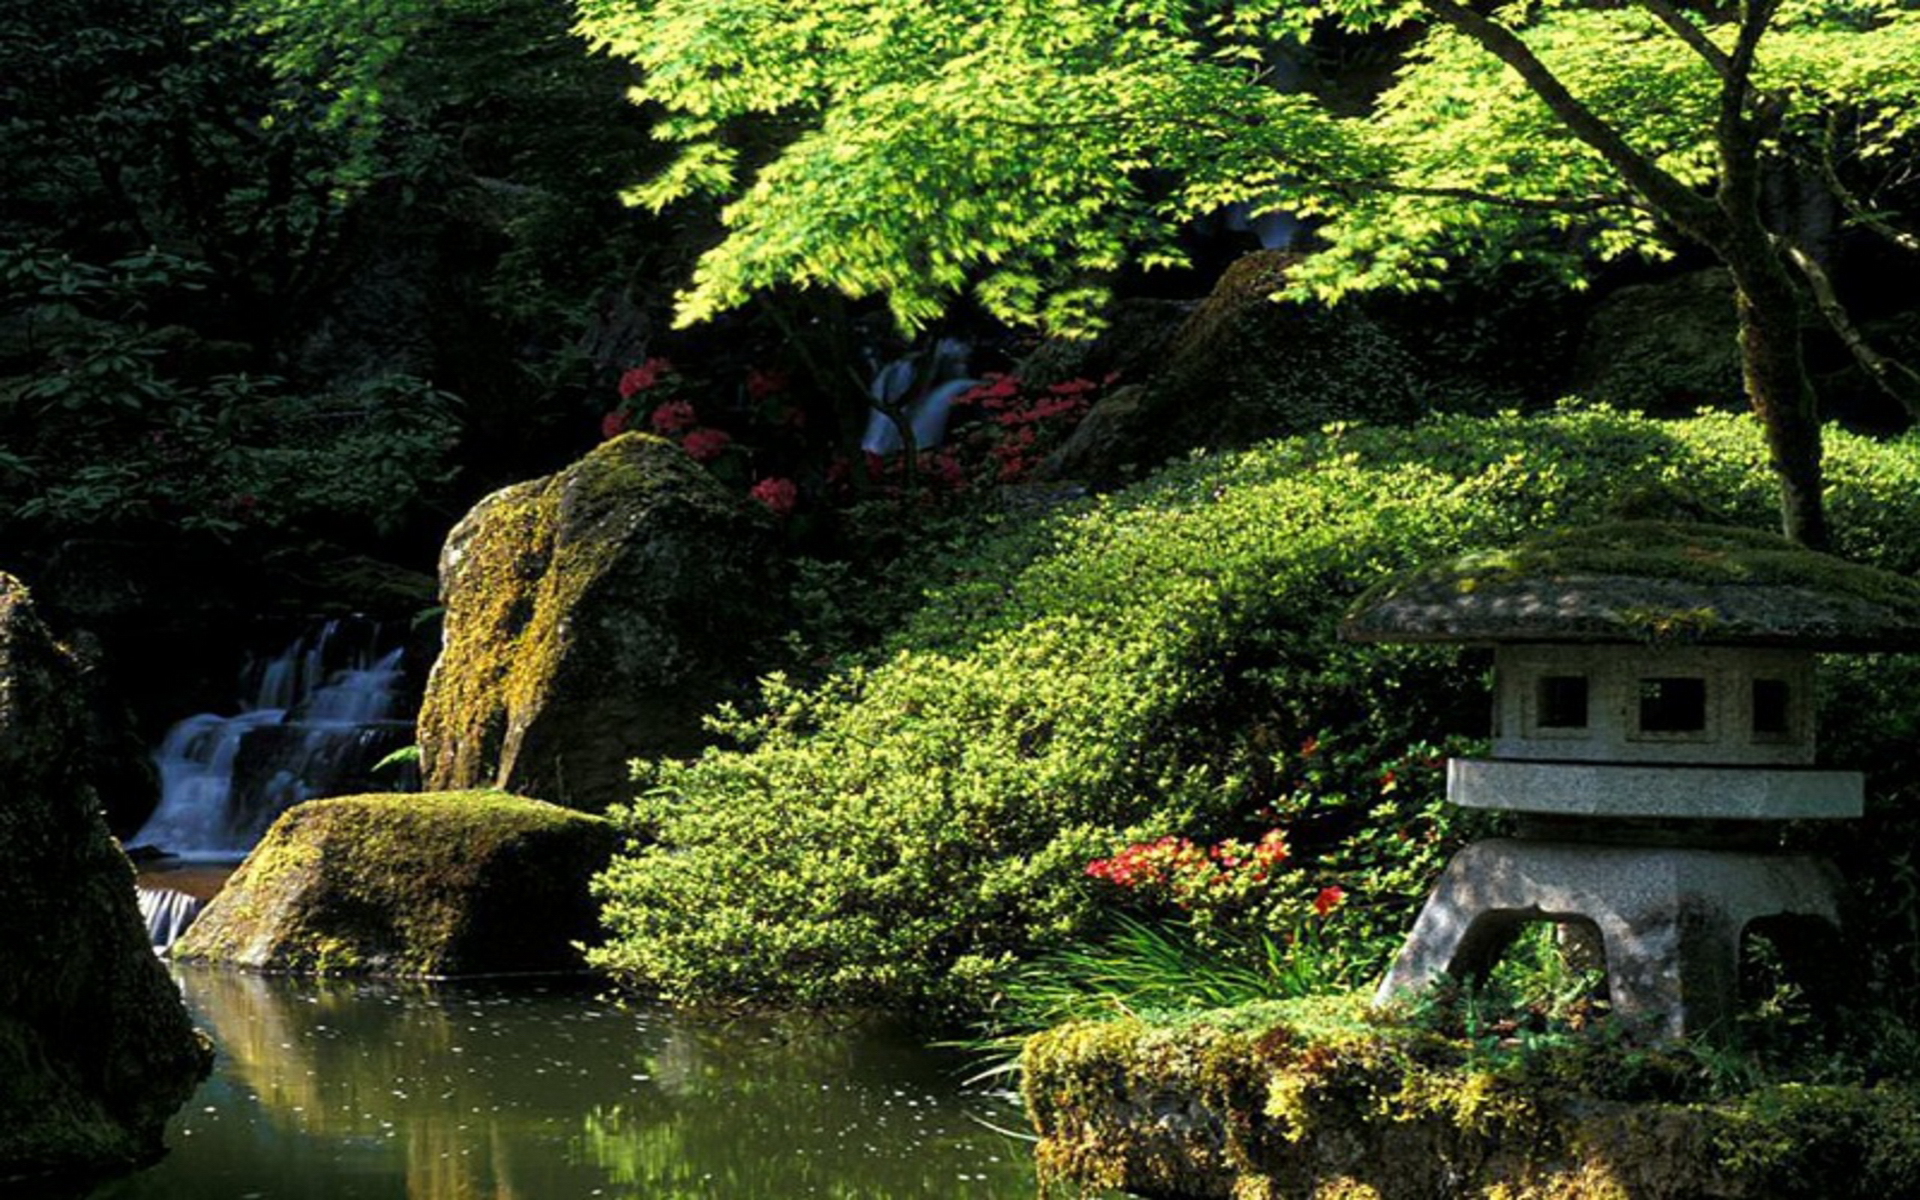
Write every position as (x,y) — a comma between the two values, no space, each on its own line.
(1706,556)
(576,590)
(430,884)
(1689,551)
(1341,1109)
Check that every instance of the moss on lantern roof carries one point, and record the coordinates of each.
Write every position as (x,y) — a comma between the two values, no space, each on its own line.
(1639,581)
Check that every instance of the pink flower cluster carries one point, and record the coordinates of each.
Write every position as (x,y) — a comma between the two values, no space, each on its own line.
(777,494)
(1024,425)
(644,377)
(656,389)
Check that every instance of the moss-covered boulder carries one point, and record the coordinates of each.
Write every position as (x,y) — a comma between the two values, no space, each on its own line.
(1664,348)
(96,1050)
(592,617)
(445,883)
(1255,1106)
(1242,367)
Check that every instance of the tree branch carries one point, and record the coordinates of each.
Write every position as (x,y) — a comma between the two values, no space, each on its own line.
(1736,136)
(1671,199)
(1691,34)
(1571,205)
(1891,376)
(1856,208)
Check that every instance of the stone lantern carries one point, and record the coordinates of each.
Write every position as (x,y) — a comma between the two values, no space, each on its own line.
(1653,725)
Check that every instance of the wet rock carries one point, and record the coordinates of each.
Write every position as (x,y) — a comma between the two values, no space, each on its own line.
(96,1051)
(443,883)
(592,617)
(1132,346)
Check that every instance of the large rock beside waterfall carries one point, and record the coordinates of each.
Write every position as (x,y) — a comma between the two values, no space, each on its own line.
(1242,367)
(96,1050)
(592,617)
(445,883)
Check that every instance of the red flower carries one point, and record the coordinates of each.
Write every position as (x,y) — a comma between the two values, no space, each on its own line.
(615,423)
(779,495)
(644,376)
(1073,387)
(1272,848)
(946,470)
(675,416)
(761,384)
(1328,900)
(705,445)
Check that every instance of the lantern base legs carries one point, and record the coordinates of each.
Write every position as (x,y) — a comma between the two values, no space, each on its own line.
(1670,919)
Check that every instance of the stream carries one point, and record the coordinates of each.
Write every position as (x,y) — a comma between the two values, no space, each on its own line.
(359,1090)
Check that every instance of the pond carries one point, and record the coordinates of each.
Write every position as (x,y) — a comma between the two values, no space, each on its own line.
(547,1091)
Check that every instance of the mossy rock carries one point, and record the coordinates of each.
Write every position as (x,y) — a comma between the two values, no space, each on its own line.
(435,884)
(1664,348)
(593,617)
(1259,1109)
(96,1050)
(1242,367)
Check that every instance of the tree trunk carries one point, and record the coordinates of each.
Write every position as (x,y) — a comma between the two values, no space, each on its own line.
(1782,396)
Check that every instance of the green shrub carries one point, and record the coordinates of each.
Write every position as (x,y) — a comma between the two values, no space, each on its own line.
(1162,661)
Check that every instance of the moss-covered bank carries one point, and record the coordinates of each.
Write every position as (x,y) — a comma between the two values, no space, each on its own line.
(1262,1104)
(445,883)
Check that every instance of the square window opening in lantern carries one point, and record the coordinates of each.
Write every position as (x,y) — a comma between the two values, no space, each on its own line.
(1673,705)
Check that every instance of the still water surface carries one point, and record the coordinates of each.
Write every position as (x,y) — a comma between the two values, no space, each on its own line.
(374,1091)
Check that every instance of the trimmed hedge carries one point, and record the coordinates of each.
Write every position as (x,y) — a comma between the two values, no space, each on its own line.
(1159,661)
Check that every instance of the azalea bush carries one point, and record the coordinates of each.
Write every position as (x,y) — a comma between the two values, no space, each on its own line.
(1162,662)
(1243,907)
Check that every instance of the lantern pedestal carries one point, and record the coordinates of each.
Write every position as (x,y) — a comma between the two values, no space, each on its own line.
(1670,918)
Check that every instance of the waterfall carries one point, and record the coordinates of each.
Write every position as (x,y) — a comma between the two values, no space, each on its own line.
(167,913)
(317,716)
(921,386)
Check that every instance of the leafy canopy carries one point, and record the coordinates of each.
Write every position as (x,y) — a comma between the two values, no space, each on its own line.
(919,148)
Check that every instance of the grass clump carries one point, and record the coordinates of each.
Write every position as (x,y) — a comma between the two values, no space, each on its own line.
(1163,662)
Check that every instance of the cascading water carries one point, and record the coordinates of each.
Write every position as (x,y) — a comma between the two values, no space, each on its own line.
(320,713)
(920,390)
(167,913)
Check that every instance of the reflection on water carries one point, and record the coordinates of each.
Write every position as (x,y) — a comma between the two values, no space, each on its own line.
(349,1090)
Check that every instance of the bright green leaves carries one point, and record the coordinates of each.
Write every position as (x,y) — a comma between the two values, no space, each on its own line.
(920,148)
(1858,64)
(1483,170)
(1163,661)
(1018,150)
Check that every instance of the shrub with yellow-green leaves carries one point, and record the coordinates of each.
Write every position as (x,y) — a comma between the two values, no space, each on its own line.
(1160,661)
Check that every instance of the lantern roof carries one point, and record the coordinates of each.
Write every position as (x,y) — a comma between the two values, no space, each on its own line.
(1646,581)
